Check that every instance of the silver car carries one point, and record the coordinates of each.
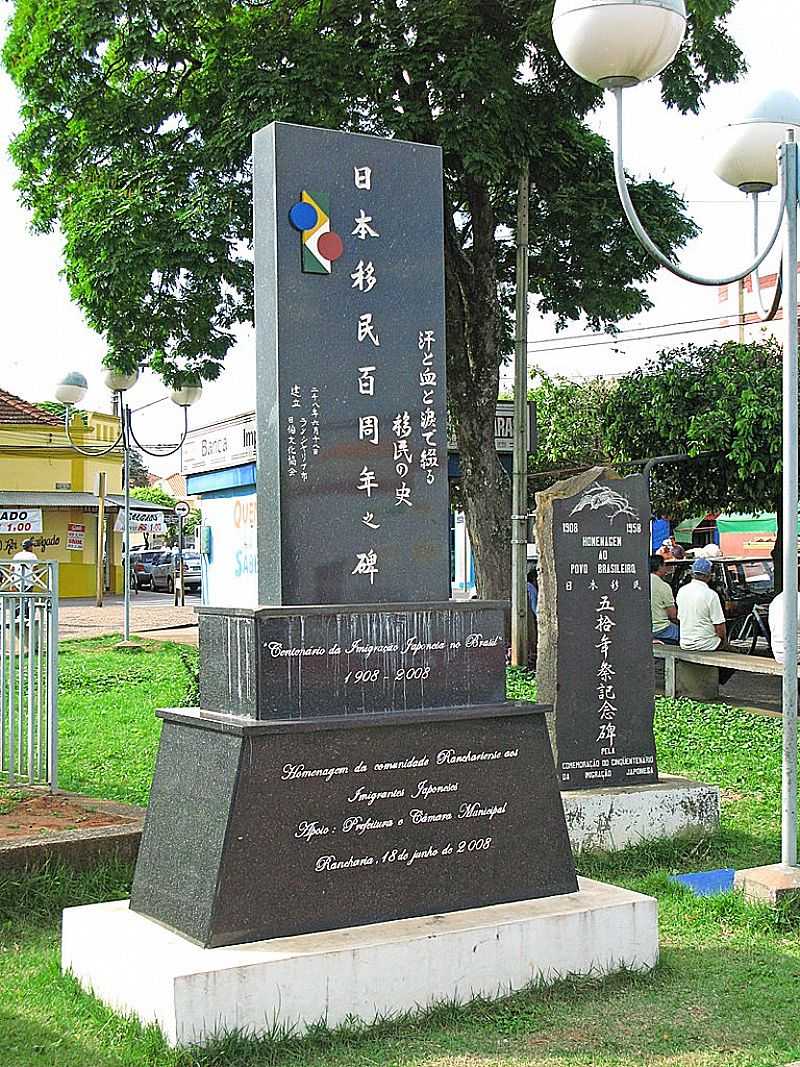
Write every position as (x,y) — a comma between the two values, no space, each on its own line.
(165,569)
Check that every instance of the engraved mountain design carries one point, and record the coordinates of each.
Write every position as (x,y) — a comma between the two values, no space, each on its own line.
(598,497)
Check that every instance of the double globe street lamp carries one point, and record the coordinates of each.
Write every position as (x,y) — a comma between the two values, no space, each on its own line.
(617,44)
(70,392)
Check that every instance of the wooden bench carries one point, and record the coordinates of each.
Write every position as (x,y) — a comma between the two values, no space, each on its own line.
(696,674)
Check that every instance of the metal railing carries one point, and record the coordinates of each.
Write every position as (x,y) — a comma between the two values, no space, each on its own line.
(29,673)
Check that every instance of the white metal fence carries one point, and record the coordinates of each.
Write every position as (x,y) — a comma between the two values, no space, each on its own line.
(28,673)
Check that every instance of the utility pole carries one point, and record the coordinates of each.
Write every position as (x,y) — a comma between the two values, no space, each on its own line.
(790,506)
(100,493)
(519,518)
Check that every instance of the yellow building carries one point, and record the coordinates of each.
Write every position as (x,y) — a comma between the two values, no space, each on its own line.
(47,493)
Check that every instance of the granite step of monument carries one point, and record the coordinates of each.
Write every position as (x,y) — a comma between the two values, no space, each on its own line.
(244,726)
(295,663)
(286,827)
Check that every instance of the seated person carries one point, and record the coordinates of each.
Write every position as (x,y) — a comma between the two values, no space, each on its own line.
(664,614)
(670,549)
(702,618)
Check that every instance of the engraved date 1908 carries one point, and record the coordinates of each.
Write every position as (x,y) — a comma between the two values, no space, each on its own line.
(402,674)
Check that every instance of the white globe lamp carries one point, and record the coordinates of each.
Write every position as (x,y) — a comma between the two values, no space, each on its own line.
(72,388)
(120,381)
(187,393)
(618,43)
(744,153)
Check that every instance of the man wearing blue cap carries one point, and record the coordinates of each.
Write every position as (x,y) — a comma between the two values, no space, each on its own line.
(700,612)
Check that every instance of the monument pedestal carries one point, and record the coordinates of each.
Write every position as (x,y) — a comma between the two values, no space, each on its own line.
(770,884)
(138,967)
(612,819)
(265,829)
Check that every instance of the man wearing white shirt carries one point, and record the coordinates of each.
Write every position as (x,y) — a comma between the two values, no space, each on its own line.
(700,612)
(24,559)
(701,615)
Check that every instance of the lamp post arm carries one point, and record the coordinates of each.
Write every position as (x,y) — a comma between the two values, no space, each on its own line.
(150,452)
(766,316)
(652,248)
(95,452)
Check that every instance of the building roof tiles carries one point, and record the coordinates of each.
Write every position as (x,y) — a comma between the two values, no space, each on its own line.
(15,410)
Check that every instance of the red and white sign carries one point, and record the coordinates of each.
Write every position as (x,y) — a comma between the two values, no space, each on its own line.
(20,520)
(76,536)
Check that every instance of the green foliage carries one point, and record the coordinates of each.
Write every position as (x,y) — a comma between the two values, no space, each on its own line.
(10,799)
(136,132)
(570,419)
(137,125)
(520,684)
(153,494)
(722,399)
(55,407)
(137,469)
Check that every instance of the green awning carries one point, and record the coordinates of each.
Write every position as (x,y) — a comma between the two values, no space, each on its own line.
(763,523)
(683,533)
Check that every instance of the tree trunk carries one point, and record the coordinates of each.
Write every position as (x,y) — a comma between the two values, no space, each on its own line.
(473,367)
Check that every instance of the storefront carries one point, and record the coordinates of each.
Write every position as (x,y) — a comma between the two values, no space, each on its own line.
(219,464)
(63,527)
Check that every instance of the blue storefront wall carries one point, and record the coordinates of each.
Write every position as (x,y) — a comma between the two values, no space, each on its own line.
(228,544)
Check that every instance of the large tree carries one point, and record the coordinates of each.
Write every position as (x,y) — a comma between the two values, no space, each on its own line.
(720,404)
(136,141)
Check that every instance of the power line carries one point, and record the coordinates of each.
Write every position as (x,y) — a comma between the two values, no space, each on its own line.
(620,333)
(652,337)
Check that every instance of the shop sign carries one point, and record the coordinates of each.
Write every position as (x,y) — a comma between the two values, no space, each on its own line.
(213,448)
(20,520)
(503,428)
(76,536)
(142,521)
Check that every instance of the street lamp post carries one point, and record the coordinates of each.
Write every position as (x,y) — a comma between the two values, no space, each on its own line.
(70,391)
(519,527)
(617,44)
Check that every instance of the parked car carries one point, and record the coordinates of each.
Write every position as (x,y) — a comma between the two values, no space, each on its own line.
(142,561)
(745,585)
(166,567)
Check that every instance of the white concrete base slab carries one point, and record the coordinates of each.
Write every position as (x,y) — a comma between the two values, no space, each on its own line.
(612,819)
(140,968)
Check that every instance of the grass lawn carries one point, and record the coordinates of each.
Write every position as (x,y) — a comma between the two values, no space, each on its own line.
(724,995)
(108,736)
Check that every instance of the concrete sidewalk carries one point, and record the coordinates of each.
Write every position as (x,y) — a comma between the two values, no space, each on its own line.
(152,615)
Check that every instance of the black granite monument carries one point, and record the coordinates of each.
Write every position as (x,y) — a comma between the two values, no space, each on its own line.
(354,759)
(593,533)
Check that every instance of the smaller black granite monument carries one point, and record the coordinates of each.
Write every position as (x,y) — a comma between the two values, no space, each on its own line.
(595,658)
(354,759)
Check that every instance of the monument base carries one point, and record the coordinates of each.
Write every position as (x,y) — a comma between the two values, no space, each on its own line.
(138,967)
(259,830)
(769,885)
(612,819)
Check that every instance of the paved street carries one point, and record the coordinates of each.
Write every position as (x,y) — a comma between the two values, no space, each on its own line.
(152,615)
